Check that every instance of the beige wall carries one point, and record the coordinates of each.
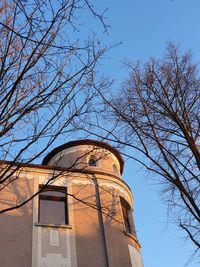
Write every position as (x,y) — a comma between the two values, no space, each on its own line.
(16,246)
(87,230)
(116,239)
(88,241)
(16,226)
(68,158)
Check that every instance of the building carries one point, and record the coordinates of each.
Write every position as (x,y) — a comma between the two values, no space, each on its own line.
(81,217)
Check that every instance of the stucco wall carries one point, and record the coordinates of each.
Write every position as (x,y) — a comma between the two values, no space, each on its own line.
(81,243)
(16,226)
(89,248)
(116,239)
(78,157)
(89,243)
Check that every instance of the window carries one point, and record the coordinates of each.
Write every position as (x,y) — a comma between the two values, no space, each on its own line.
(92,161)
(53,206)
(115,170)
(127,217)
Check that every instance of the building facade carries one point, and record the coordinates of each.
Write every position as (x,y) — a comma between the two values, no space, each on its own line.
(80,216)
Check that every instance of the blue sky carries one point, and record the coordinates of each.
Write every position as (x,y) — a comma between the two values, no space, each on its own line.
(144,27)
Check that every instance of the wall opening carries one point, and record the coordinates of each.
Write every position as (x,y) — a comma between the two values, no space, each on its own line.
(53,206)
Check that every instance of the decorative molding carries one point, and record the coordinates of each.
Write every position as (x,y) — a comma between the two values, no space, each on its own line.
(53,225)
(54,260)
(61,181)
(108,183)
(54,238)
(42,256)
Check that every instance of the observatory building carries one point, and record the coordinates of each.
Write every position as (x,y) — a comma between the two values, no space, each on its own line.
(79,214)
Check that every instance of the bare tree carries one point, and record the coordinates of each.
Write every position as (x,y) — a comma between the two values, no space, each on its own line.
(46,76)
(156,114)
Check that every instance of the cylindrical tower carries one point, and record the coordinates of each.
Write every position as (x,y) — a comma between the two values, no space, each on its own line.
(76,211)
(99,205)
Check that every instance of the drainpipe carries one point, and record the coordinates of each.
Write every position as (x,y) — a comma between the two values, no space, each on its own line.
(101,224)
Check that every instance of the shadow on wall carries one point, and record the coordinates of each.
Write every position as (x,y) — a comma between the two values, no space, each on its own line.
(16,225)
(16,228)
(89,241)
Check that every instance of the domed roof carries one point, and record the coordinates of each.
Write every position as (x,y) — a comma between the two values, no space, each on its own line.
(85,142)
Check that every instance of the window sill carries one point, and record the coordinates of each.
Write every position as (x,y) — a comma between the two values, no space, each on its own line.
(54,225)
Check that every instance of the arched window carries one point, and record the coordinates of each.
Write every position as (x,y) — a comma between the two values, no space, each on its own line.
(127,217)
(115,170)
(92,161)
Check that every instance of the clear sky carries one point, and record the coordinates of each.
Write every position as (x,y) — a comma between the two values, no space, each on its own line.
(144,27)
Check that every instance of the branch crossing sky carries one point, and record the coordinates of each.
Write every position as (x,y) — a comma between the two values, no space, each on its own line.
(144,27)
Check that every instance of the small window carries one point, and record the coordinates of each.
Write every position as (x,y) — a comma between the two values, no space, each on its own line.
(53,206)
(115,170)
(92,161)
(127,217)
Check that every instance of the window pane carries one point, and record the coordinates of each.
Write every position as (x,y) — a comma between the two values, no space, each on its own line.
(126,211)
(52,193)
(52,211)
(93,161)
